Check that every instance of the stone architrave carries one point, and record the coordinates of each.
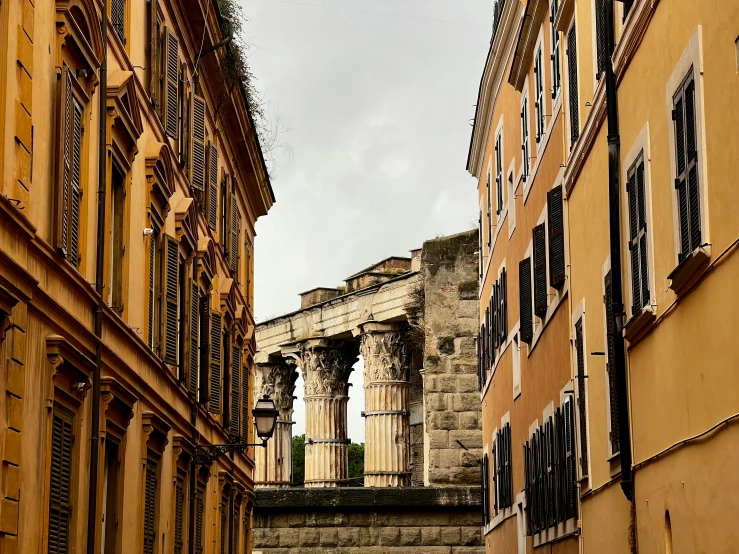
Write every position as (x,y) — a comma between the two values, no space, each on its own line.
(274,463)
(386,353)
(326,366)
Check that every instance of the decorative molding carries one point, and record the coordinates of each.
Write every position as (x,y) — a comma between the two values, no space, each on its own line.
(160,178)
(326,366)
(123,99)
(118,398)
(89,41)
(533,18)
(186,224)
(155,431)
(278,381)
(206,261)
(7,303)
(386,353)
(635,27)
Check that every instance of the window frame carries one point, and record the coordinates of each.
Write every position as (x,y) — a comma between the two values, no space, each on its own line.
(581,389)
(555,56)
(539,101)
(574,126)
(525,138)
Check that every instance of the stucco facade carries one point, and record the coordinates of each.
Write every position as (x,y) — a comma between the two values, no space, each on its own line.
(184,183)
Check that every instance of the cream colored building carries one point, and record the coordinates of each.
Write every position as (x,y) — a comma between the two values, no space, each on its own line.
(184,182)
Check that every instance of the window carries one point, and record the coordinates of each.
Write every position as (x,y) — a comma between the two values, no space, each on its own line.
(502,469)
(485,482)
(224,524)
(499,172)
(110,494)
(154,280)
(524,288)
(60,502)
(197,143)
(556,75)
(687,178)
(511,205)
(170,301)
(194,307)
(549,472)
(600,37)
(171,84)
(117,18)
(205,332)
(539,92)
(526,157)
(212,193)
(214,405)
(116,244)
(199,508)
(490,214)
(235,419)
(540,271)
(179,509)
(638,236)
(150,506)
(69,169)
(572,84)
(479,245)
(516,366)
(581,406)
(234,236)
(615,441)
(223,229)
(557,266)
(245,401)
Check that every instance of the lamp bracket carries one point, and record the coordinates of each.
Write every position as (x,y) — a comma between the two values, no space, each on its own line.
(207,454)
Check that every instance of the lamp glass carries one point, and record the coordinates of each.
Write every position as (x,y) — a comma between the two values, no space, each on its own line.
(265,417)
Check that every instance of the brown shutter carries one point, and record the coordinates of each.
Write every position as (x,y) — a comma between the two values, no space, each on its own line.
(557,268)
(214,405)
(64,162)
(205,338)
(540,270)
(234,526)
(634,240)
(170,278)
(245,400)
(152,291)
(600,32)
(524,290)
(233,247)
(199,522)
(154,53)
(573,92)
(611,351)
(60,509)
(527,485)
(643,264)
(194,328)
(197,140)
(212,186)
(571,491)
(235,388)
(580,353)
(76,188)
(117,18)
(226,380)
(179,502)
(150,507)
(551,513)
(224,519)
(171,83)
(504,304)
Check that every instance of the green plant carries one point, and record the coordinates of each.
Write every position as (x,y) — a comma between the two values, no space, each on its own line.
(299,461)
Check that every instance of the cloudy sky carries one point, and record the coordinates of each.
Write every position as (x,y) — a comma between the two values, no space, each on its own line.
(378,96)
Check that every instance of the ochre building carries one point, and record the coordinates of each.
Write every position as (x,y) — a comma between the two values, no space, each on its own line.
(143,276)
(637,97)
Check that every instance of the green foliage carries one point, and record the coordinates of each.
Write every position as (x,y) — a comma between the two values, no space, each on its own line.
(299,461)
(356,465)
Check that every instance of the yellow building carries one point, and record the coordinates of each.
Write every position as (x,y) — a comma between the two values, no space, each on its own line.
(647,139)
(143,277)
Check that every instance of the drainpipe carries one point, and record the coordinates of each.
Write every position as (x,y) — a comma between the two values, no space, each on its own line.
(617,305)
(92,509)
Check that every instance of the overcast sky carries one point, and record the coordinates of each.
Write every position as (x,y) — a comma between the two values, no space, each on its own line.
(379,97)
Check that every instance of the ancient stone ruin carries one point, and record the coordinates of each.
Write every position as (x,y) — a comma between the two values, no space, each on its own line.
(413,321)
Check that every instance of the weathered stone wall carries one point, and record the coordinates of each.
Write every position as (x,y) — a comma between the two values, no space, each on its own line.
(450,276)
(368,521)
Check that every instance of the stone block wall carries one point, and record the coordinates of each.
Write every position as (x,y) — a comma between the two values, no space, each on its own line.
(452,401)
(368,521)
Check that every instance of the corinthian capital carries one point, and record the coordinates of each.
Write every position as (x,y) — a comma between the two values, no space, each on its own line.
(326,366)
(386,353)
(277,380)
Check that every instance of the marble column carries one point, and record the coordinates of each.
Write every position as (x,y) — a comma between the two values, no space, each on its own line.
(326,366)
(274,463)
(385,351)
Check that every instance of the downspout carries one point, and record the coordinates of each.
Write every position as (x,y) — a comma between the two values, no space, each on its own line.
(617,305)
(92,511)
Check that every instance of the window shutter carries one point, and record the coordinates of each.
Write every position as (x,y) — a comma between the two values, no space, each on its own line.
(527,485)
(199,522)
(535,482)
(60,489)
(235,388)
(245,400)
(76,189)
(525,137)
(171,83)
(215,363)
(205,349)
(224,519)
(524,290)
(480,382)
(479,245)
(152,298)
(504,305)
(212,186)
(154,52)
(150,507)
(178,516)
(233,247)
(117,13)
(496,475)
(485,487)
(234,527)
(494,319)
(557,266)
(572,75)
(608,299)
(692,159)
(580,353)
(551,498)
(197,139)
(64,162)
(600,32)
(194,341)
(570,458)
(634,240)
(170,312)
(645,296)
(540,270)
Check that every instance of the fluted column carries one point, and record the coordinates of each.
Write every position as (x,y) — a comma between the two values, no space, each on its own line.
(274,463)
(326,367)
(385,351)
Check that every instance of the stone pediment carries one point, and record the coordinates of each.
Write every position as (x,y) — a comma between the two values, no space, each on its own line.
(124,101)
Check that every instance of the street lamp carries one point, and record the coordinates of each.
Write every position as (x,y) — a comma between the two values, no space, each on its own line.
(265,417)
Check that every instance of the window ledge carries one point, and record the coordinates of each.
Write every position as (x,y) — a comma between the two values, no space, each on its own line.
(564,15)
(613,457)
(552,534)
(688,270)
(503,515)
(639,324)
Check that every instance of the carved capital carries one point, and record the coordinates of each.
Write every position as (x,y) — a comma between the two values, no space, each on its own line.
(278,381)
(386,355)
(326,366)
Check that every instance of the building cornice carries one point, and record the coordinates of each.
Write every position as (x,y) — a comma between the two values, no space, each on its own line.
(533,17)
(635,27)
(493,77)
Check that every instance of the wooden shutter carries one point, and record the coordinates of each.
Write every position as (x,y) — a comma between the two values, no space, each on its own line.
(479,246)
(235,388)
(226,379)
(642,231)
(214,405)
(485,488)
(150,507)
(76,188)
(117,18)
(527,485)
(154,52)
(557,266)
(171,83)
(525,137)
(551,498)
(503,307)
(64,162)
(179,506)
(571,491)
(199,522)
(205,338)
(633,240)
(224,519)
(524,290)
(611,351)
(233,246)
(573,92)
(60,510)
(197,140)
(494,336)
(194,333)
(580,354)
(245,400)
(234,527)
(212,186)
(170,313)
(152,289)
(540,270)
(600,32)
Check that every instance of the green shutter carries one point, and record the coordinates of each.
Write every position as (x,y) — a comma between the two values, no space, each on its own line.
(524,290)
(540,271)
(150,492)
(60,510)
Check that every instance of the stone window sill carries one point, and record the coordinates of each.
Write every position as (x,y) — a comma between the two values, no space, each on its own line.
(639,324)
(503,515)
(688,270)
(555,533)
